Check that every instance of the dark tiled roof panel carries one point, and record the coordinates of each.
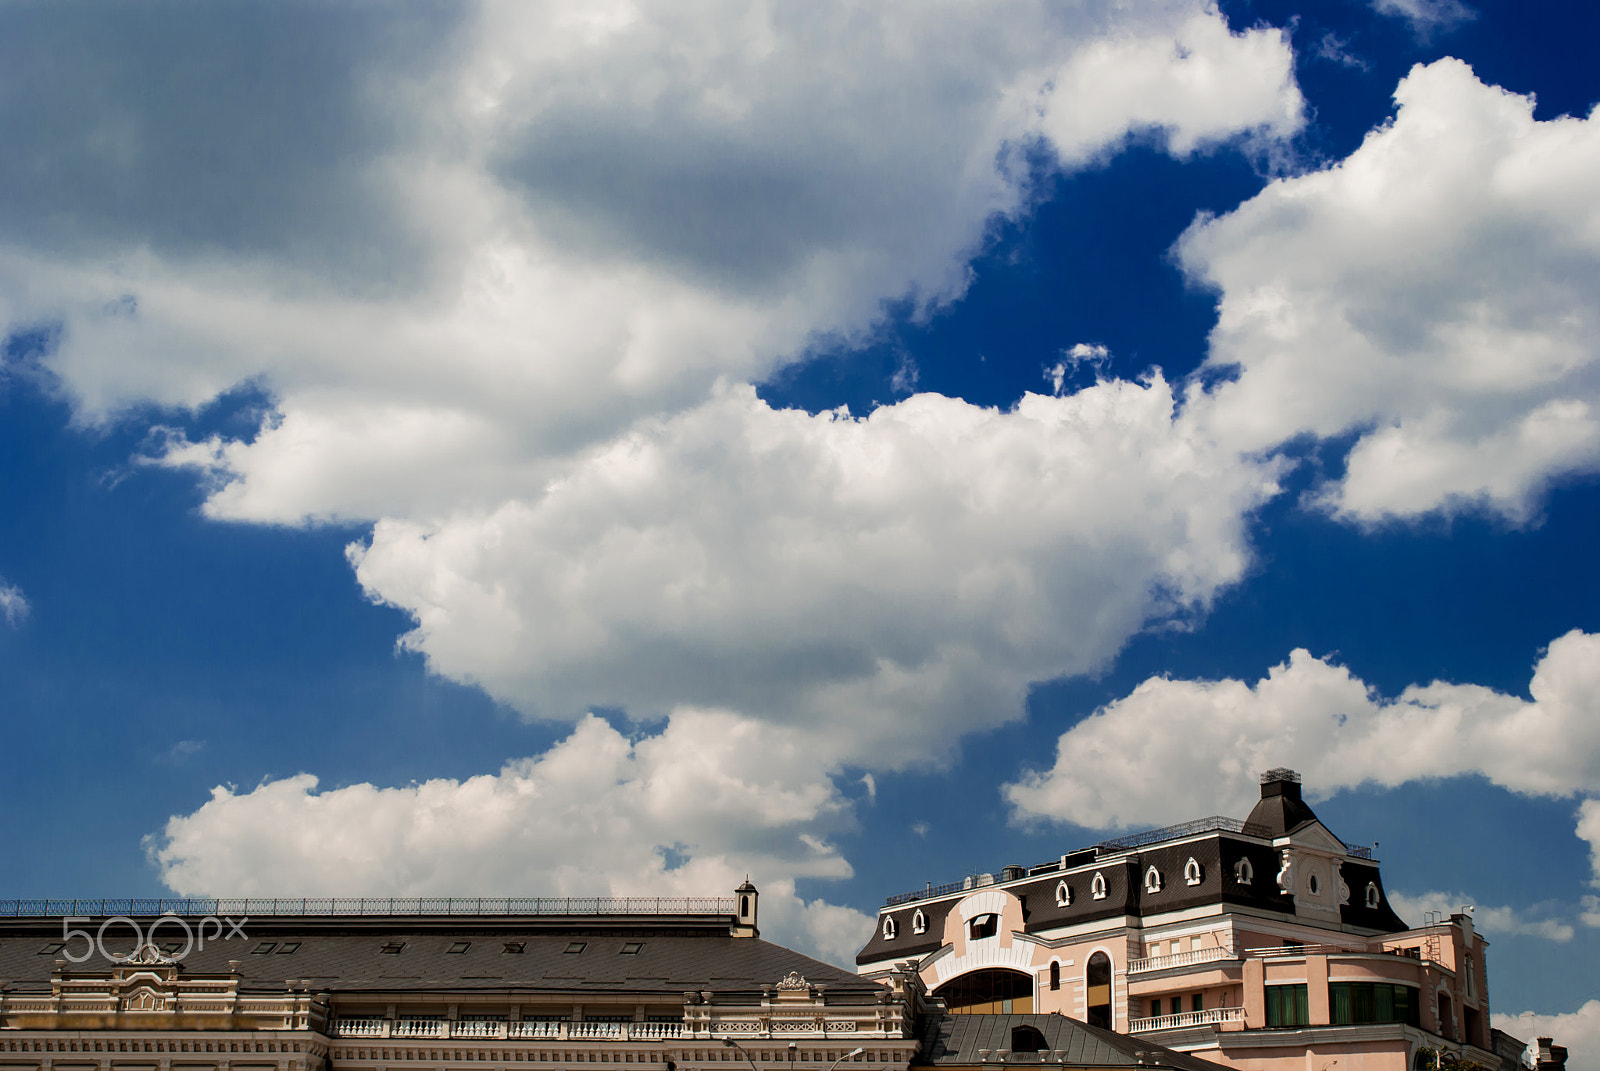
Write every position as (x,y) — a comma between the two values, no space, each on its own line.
(955,1040)
(663,965)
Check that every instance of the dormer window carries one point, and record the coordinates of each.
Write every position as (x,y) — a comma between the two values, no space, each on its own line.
(919,922)
(1374,897)
(983,926)
(1152,880)
(889,928)
(1097,886)
(1063,894)
(1243,872)
(1193,872)
(1312,885)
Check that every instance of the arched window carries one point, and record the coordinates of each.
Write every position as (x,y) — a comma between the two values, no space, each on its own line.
(1193,873)
(1243,872)
(992,990)
(1027,1039)
(1312,885)
(919,922)
(1097,887)
(1152,880)
(744,906)
(1374,897)
(983,926)
(889,928)
(1055,974)
(1063,894)
(1097,990)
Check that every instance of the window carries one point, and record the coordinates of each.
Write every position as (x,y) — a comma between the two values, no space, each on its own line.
(889,928)
(919,922)
(1193,872)
(392,948)
(459,947)
(1063,894)
(1288,1005)
(983,926)
(169,947)
(1312,885)
(1055,975)
(576,947)
(1374,897)
(631,948)
(515,948)
(288,948)
(263,948)
(1243,872)
(1027,1039)
(1097,887)
(1097,990)
(1197,1002)
(52,948)
(1350,1003)
(1155,1007)
(1152,880)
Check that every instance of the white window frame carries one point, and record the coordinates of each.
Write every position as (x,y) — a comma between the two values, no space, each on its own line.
(1244,872)
(919,922)
(1097,886)
(1193,872)
(889,928)
(1063,894)
(1152,879)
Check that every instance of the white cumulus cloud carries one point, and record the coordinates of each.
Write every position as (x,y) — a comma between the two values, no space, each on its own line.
(1159,750)
(891,581)
(1501,921)
(597,814)
(1435,293)
(1578,1031)
(13,604)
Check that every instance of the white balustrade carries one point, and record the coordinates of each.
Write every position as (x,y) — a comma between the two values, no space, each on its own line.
(545,1029)
(655,1031)
(359,1028)
(589,1031)
(418,1028)
(477,1028)
(1181,1019)
(1180,959)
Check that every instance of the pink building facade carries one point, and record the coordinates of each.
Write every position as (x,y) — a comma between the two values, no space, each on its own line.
(1266,944)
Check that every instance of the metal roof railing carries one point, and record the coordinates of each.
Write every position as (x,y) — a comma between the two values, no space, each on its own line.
(376,906)
(1217,823)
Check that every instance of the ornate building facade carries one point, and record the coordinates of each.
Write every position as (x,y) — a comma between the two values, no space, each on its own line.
(1261,944)
(364,985)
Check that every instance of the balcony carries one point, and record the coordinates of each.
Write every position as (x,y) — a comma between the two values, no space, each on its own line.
(1180,959)
(527,1029)
(1182,1019)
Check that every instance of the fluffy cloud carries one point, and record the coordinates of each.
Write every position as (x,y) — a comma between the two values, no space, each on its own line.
(1436,293)
(890,581)
(1427,16)
(13,604)
(1578,1031)
(1502,921)
(598,814)
(1158,751)
(499,240)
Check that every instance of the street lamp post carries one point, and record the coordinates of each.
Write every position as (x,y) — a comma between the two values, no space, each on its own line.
(851,1055)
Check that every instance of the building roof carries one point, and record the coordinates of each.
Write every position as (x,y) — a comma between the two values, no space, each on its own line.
(345,955)
(1280,811)
(956,1040)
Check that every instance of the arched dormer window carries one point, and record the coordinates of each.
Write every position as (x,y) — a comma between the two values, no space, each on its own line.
(889,928)
(983,926)
(1374,897)
(1243,872)
(919,922)
(1063,894)
(1097,887)
(1152,880)
(1193,872)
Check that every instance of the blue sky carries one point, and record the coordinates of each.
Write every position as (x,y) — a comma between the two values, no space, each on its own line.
(517,451)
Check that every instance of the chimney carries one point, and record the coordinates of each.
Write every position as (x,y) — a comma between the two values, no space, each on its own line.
(1551,1057)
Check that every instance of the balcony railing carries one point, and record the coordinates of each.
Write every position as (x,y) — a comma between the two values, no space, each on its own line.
(1180,959)
(1194,1018)
(400,905)
(527,1029)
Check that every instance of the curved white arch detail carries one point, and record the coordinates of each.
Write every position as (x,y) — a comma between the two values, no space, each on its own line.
(990,953)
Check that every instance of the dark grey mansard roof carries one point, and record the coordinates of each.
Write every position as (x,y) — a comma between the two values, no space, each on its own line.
(343,956)
(954,1040)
